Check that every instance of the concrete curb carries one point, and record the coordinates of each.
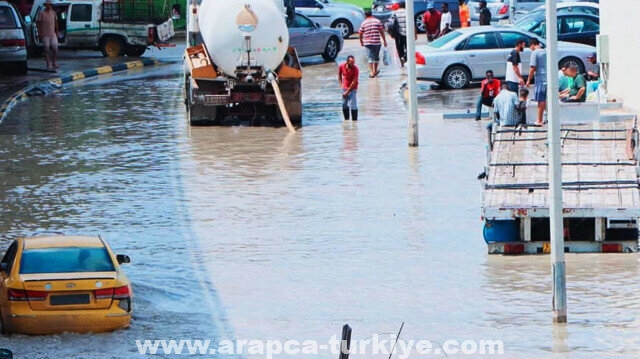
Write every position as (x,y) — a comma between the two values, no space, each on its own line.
(24,93)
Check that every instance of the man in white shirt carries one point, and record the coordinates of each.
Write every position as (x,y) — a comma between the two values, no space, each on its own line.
(445,20)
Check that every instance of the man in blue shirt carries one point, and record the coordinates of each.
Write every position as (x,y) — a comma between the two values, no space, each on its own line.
(505,106)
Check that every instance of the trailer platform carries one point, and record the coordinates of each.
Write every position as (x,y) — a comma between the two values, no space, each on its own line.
(600,189)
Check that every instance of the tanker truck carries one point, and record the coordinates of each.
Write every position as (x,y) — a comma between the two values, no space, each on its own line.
(241,68)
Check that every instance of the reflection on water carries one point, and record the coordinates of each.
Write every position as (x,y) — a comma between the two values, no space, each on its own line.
(254,233)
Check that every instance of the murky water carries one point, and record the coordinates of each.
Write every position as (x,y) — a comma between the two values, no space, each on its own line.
(253,233)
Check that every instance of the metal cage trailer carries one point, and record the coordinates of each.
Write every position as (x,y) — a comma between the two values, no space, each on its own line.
(600,189)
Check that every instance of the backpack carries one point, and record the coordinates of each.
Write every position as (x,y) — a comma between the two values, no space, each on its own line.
(394,29)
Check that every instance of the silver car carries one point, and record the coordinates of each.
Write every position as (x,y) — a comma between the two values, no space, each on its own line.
(501,9)
(13,46)
(310,39)
(344,17)
(465,55)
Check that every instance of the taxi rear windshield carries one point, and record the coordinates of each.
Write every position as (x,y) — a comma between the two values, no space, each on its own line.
(7,20)
(66,260)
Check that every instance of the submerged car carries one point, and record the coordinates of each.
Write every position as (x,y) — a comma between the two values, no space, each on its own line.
(345,17)
(54,284)
(310,39)
(13,45)
(465,55)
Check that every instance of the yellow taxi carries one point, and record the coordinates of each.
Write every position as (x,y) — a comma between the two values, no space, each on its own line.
(54,284)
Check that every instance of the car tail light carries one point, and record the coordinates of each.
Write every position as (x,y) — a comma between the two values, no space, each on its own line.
(393,7)
(151,35)
(24,295)
(12,42)
(611,248)
(513,248)
(504,9)
(420,60)
(115,293)
(121,292)
(103,293)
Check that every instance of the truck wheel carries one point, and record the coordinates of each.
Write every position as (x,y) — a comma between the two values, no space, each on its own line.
(136,51)
(112,47)
(331,49)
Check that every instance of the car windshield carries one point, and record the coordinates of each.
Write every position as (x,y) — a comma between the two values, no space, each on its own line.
(7,20)
(66,260)
(441,41)
(527,23)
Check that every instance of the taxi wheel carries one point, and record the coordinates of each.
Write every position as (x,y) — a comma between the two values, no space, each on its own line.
(112,47)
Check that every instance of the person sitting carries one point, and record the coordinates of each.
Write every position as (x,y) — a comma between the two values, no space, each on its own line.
(505,107)
(593,70)
(489,89)
(564,81)
(577,92)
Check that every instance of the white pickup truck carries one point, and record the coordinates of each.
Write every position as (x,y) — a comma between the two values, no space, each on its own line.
(116,28)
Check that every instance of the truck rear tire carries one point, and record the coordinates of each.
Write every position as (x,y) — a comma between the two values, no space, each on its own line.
(136,51)
(112,47)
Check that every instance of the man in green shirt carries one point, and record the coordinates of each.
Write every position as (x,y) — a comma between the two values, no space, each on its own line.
(577,91)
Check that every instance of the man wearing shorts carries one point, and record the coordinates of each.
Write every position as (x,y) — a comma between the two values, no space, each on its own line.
(47,24)
(370,33)
(539,70)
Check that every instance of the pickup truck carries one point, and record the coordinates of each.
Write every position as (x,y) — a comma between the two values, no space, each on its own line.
(116,28)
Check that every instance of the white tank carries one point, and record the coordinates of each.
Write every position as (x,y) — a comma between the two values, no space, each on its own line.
(218,20)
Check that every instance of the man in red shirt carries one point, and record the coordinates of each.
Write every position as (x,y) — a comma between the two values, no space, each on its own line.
(348,74)
(431,21)
(489,89)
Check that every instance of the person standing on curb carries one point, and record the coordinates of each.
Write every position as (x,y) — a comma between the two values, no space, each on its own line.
(539,70)
(431,21)
(47,24)
(465,16)
(399,22)
(445,20)
(513,76)
(485,14)
(370,33)
(348,74)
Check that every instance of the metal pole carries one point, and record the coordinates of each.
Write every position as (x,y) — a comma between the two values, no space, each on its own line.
(411,77)
(555,170)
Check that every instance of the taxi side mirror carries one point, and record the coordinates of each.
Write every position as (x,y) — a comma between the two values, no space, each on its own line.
(121,258)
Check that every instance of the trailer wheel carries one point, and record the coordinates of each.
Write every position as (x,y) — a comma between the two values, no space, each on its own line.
(136,51)
(112,47)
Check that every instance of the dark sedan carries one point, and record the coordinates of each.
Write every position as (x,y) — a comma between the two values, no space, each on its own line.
(580,28)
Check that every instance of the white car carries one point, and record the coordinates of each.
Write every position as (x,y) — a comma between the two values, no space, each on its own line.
(465,55)
(13,46)
(344,17)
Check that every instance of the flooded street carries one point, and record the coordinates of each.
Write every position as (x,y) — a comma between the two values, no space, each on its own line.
(255,234)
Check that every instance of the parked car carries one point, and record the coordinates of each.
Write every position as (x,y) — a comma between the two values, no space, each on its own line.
(344,17)
(382,10)
(13,45)
(310,39)
(465,55)
(570,7)
(580,28)
(53,284)
(501,9)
